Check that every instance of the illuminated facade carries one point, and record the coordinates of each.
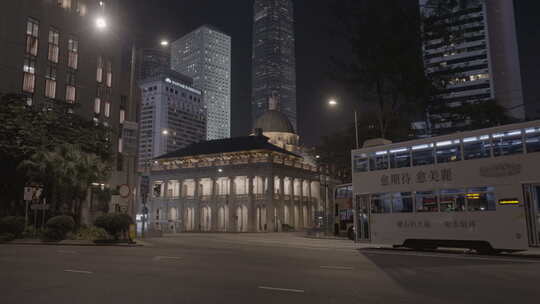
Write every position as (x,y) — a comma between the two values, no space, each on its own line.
(477,61)
(240,184)
(273,61)
(172,116)
(205,55)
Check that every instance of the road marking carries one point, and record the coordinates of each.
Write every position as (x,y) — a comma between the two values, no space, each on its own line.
(337,267)
(454,257)
(159,258)
(67,251)
(78,271)
(281,289)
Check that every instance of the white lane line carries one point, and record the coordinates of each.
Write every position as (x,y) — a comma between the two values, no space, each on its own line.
(67,251)
(159,258)
(78,271)
(281,289)
(337,267)
(517,260)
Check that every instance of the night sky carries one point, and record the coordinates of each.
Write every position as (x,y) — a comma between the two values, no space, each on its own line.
(316,43)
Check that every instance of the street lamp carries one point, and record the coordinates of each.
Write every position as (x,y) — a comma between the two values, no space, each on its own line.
(164,43)
(101,23)
(333,103)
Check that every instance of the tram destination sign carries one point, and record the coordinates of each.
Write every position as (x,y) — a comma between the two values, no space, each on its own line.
(420,177)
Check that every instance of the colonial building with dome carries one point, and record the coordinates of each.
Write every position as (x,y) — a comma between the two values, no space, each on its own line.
(276,126)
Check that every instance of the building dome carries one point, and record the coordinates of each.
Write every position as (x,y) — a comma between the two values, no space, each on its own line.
(274,121)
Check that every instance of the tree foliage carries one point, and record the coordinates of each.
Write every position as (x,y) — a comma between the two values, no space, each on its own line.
(48,144)
(386,70)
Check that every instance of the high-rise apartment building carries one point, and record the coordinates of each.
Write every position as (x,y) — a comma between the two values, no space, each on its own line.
(172,115)
(477,55)
(53,50)
(273,61)
(205,55)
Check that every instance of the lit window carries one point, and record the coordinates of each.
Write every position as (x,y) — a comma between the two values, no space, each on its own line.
(70,87)
(507,143)
(97,105)
(50,82)
(29,78)
(107,110)
(120,145)
(73,53)
(32,31)
(122,115)
(99,72)
(109,74)
(54,48)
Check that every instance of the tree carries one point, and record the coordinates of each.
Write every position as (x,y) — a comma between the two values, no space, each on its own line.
(67,174)
(387,69)
(36,131)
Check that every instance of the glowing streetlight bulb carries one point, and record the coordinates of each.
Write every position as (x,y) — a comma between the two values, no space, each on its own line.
(220,170)
(165,132)
(164,43)
(332,102)
(101,23)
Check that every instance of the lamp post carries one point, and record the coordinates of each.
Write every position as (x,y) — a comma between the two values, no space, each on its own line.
(334,103)
(102,25)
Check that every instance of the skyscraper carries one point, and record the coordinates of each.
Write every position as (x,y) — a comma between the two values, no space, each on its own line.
(153,62)
(205,55)
(172,115)
(274,64)
(482,64)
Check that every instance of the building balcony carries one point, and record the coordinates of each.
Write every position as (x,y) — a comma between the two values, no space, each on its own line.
(259,197)
(287,197)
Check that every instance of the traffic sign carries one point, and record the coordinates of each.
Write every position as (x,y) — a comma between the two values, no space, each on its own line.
(124,190)
(32,193)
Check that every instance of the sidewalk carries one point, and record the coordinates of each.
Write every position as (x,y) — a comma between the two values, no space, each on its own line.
(71,243)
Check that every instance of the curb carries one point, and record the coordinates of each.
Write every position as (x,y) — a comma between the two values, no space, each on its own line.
(73,244)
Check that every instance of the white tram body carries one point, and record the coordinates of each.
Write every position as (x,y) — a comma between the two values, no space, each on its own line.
(478,189)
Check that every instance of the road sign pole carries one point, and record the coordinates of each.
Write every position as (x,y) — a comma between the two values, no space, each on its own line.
(26,214)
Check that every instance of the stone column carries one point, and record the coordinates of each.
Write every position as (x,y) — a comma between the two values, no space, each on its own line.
(310,204)
(281,213)
(232,206)
(301,205)
(252,210)
(197,208)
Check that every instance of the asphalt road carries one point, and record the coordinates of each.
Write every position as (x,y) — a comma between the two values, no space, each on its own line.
(263,268)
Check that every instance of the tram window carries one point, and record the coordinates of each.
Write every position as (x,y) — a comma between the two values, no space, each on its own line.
(378,161)
(476,147)
(532,139)
(480,199)
(448,151)
(381,203)
(426,202)
(400,158)
(423,155)
(360,163)
(452,200)
(402,202)
(507,143)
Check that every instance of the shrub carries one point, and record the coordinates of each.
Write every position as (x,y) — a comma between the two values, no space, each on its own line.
(58,227)
(92,234)
(114,224)
(62,223)
(52,235)
(6,237)
(13,225)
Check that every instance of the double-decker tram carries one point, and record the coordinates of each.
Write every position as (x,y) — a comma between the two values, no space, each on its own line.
(343,211)
(477,189)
